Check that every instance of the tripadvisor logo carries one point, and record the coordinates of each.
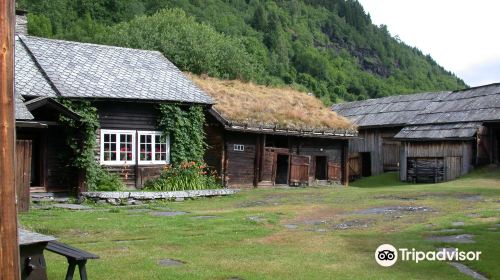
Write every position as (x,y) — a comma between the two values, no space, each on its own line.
(387,255)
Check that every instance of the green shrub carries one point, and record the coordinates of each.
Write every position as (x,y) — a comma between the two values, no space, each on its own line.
(186,176)
(106,181)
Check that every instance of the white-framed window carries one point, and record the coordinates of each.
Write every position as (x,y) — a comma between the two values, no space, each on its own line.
(117,147)
(123,147)
(153,148)
(239,147)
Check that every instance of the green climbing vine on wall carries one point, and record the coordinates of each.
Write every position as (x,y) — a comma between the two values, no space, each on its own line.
(185,127)
(84,157)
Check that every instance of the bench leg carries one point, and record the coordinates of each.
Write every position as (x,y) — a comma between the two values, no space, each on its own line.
(71,269)
(83,271)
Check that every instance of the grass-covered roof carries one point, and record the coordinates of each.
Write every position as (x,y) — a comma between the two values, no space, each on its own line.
(257,106)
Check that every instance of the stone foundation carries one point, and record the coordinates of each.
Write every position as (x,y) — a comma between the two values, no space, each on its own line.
(135,198)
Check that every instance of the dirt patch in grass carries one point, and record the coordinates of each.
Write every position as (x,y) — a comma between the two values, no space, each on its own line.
(392,210)
(413,197)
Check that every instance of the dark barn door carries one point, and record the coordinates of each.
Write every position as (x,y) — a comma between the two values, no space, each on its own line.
(320,170)
(282,165)
(23,174)
(299,170)
(366,164)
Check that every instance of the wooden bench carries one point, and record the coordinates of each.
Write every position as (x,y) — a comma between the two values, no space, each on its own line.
(75,257)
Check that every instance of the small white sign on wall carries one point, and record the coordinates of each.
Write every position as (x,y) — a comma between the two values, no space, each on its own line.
(239,147)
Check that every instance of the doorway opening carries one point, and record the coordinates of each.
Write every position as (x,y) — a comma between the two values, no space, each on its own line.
(366,164)
(321,168)
(282,169)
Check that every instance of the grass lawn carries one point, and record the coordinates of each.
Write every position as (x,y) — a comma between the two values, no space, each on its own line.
(292,233)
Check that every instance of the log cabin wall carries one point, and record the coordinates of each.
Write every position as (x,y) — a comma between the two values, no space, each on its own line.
(457,156)
(380,144)
(317,147)
(128,116)
(214,154)
(240,156)
(249,159)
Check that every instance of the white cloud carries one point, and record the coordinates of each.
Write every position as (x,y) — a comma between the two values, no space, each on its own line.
(459,35)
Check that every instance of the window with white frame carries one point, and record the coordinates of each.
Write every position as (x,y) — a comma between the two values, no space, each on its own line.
(153,148)
(117,147)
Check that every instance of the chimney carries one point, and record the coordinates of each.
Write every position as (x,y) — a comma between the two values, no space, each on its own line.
(21,22)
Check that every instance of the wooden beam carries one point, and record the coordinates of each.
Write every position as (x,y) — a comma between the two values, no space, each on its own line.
(345,163)
(9,246)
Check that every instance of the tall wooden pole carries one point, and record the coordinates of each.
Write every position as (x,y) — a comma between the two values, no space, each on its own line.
(9,247)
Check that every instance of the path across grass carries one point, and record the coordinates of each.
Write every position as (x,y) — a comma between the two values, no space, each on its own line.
(292,233)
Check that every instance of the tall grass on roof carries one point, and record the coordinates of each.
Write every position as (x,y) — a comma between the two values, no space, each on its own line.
(256,105)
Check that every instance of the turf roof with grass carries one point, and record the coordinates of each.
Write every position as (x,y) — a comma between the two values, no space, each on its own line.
(256,106)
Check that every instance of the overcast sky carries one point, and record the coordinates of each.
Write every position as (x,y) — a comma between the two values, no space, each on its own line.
(462,36)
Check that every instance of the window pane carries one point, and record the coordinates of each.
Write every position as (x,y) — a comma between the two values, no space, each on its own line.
(145,145)
(113,137)
(106,137)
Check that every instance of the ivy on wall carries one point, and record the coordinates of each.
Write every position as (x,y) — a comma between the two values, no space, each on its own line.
(185,128)
(84,157)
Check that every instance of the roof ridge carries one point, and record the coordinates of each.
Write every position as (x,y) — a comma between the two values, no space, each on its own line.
(90,44)
(476,87)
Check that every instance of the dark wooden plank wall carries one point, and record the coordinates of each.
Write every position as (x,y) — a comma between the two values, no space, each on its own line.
(60,175)
(126,115)
(372,140)
(330,148)
(239,165)
(449,151)
(215,144)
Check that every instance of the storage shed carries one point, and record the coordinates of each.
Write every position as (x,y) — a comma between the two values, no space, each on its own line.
(378,121)
(435,136)
(261,137)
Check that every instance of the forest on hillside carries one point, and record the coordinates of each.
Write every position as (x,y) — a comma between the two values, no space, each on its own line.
(328,47)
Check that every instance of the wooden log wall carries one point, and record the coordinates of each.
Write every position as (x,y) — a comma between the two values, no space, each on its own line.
(378,142)
(128,116)
(60,174)
(240,165)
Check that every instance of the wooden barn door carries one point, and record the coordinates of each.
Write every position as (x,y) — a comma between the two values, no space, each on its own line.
(23,174)
(453,167)
(299,169)
(334,172)
(390,153)
(354,166)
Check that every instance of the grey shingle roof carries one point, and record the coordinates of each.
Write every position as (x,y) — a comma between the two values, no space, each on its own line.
(22,113)
(388,111)
(439,131)
(478,104)
(82,70)
(474,104)
(29,80)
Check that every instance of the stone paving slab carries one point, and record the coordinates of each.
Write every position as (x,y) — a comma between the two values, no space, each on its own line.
(461,238)
(72,206)
(467,271)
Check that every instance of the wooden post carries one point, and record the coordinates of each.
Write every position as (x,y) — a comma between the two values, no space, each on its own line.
(345,163)
(9,246)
